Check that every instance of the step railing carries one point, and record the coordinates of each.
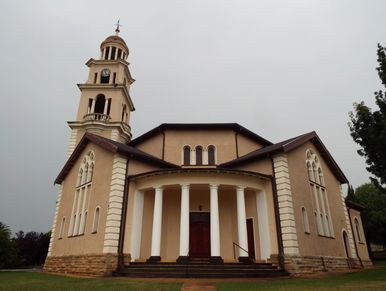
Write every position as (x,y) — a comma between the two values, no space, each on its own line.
(234,250)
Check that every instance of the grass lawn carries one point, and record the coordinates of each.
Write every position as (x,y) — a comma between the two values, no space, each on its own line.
(24,281)
(374,279)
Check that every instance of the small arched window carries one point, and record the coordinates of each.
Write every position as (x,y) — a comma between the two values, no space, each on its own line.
(96,220)
(80,177)
(211,155)
(61,231)
(105,76)
(100,104)
(315,173)
(310,172)
(357,229)
(85,176)
(306,226)
(186,155)
(90,172)
(198,155)
(346,244)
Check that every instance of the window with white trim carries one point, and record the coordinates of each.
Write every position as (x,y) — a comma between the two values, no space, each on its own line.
(96,220)
(306,225)
(199,155)
(62,225)
(358,230)
(82,193)
(319,195)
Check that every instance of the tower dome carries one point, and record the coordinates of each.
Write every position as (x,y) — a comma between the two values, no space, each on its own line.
(114,48)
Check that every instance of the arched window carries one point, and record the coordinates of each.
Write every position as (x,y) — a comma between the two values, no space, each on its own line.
(61,231)
(186,155)
(198,155)
(82,193)
(306,225)
(319,195)
(357,229)
(211,155)
(96,220)
(100,104)
(320,174)
(346,244)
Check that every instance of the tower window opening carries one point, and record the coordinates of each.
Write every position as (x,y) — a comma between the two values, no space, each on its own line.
(99,104)
(114,77)
(123,55)
(107,51)
(113,51)
(105,76)
(108,106)
(119,53)
(199,155)
(89,105)
(123,117)
(95,78)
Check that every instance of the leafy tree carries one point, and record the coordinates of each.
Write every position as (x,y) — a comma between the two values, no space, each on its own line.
(7,250)
(374,214)
(368,128)
(32,247)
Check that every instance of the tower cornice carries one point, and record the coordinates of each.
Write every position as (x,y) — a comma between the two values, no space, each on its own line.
(92,61)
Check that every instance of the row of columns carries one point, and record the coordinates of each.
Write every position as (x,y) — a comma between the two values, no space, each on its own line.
(185,223)
(106,105)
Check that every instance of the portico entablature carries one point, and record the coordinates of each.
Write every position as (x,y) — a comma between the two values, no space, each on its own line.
(206,176)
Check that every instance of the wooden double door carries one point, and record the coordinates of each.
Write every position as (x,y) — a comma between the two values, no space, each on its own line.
(199,235)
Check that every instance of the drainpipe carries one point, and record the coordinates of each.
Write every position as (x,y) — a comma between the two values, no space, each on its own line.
(121,262)
(277,219)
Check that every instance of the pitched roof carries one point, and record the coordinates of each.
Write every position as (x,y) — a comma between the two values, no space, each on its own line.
(354,205)
(112,146)
(286,146)
(201,126)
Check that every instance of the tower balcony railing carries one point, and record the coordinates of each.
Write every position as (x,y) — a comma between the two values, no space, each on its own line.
(97,117)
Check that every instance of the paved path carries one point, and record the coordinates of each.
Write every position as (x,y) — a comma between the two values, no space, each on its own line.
(198,286)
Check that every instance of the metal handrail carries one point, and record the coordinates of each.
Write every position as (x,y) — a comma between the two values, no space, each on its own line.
(234,250)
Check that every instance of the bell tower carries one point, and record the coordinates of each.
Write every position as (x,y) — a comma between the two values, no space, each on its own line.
(105,102)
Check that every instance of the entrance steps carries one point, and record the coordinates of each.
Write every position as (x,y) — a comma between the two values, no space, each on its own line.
(200,269)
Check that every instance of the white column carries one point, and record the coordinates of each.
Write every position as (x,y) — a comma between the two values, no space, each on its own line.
(116,54)
(263,221)
(106,105)
(136,231)
(157,223)
(184,222)
(214,222)
(110,49)
(241,222)
(93,106)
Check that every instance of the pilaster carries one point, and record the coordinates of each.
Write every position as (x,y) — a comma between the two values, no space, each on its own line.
(286,210)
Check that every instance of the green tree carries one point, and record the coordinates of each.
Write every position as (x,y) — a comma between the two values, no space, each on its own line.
(374,214)
(7,251)
(368,128)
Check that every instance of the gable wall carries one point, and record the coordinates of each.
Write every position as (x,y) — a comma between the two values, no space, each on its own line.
(99,195)
(313,244)
(361,244)
(152,146)
(246,145)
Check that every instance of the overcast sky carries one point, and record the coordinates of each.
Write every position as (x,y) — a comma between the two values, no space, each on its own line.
(279,68)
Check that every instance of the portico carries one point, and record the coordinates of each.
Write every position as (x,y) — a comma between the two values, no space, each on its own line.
(170,221)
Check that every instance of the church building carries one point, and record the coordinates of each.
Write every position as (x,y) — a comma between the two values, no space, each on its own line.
(181,195)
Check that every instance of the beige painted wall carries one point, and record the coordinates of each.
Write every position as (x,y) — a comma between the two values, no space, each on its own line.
(360,244)
(153,146)
(246,145)
(313,244)
(100,188)
(262,166)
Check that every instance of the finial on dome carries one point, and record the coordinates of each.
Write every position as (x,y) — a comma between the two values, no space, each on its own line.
(117,31)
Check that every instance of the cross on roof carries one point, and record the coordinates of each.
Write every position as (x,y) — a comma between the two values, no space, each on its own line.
(117,29)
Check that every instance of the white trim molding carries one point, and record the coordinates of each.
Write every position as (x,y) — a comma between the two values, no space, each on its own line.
(286,210)
(114,212)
